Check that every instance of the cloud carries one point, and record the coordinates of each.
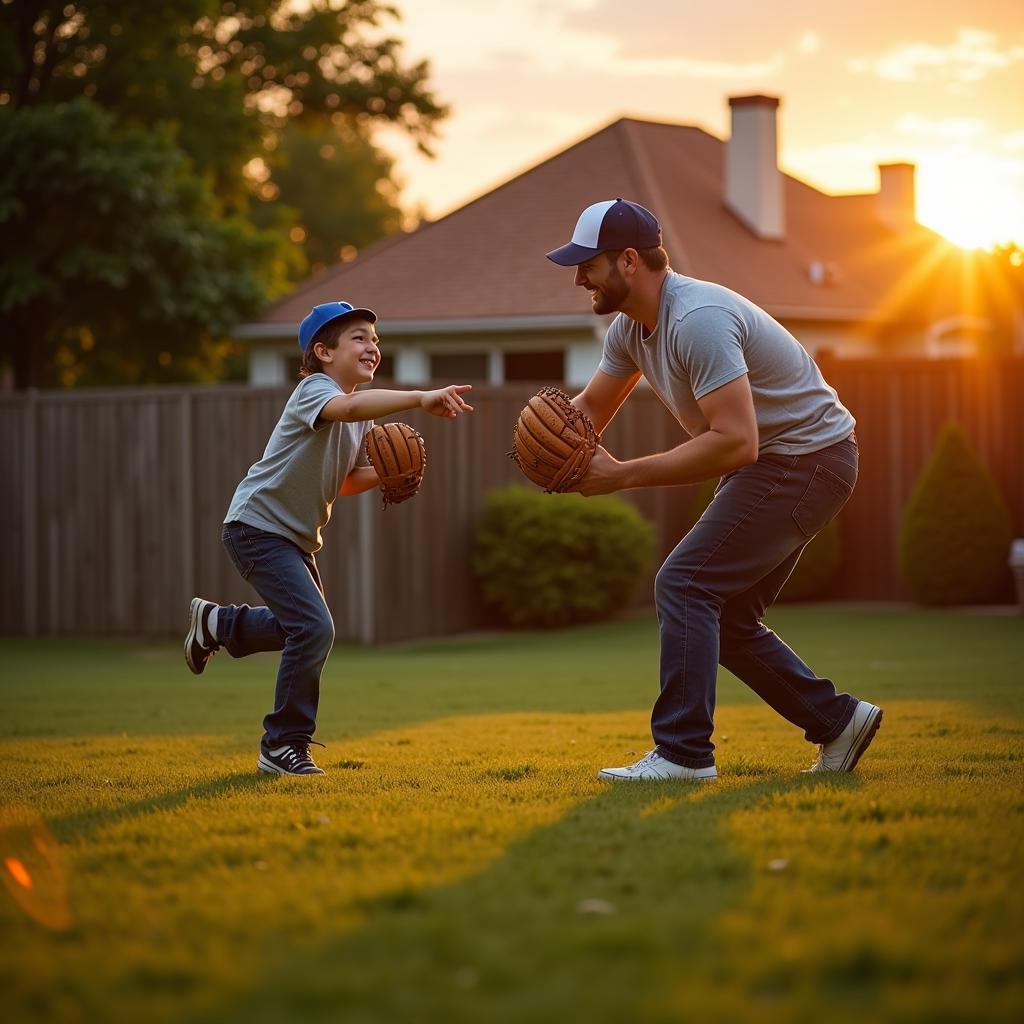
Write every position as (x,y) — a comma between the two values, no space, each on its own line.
(971,57)
(946,129)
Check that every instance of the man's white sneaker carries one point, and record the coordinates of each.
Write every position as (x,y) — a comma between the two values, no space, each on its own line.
(652,767)
(843,753)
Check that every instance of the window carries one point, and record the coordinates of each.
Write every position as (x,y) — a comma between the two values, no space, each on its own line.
(458,367)
(535,366)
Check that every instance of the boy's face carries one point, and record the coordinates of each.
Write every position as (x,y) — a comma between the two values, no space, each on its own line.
(355,358)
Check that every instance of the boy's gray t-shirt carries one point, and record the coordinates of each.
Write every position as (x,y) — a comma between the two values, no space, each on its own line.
(291,489)
(708,336)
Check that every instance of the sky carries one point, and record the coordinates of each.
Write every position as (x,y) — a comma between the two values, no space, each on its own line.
(939,84)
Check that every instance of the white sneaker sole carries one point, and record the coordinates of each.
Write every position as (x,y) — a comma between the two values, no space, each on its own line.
(272,769)
(862,740)
(609,775)
(190,637)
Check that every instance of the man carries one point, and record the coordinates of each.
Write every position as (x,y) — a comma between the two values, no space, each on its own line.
(761,417)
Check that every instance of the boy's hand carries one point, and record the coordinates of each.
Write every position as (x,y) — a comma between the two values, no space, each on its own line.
(446,402)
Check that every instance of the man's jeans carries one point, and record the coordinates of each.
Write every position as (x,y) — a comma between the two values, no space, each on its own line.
(295,621)
(715,586)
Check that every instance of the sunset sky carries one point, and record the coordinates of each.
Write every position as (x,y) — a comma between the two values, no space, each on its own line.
(940,84)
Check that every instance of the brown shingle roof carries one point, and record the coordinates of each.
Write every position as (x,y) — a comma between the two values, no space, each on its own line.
(486,259)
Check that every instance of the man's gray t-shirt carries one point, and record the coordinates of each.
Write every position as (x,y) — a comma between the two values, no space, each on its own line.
(707,336)
(291,489)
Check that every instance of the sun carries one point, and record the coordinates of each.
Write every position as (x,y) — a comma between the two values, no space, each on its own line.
(971,200)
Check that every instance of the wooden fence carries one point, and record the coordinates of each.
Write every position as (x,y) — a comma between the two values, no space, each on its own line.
(115,497)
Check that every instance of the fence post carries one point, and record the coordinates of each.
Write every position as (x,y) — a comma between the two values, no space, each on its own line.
(365,591)
(30,509)
(187,511)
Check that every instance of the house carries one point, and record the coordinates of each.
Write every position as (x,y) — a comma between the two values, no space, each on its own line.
(471,296)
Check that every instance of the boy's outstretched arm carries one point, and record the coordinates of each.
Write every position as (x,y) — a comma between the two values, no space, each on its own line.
(370,405)
(362,478)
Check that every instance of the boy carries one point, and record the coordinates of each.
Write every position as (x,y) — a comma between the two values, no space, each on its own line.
(272,528)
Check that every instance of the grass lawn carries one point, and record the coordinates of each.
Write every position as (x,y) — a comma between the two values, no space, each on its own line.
(460,862)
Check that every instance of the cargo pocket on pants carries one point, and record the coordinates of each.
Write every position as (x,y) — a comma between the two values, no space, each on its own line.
(821,502)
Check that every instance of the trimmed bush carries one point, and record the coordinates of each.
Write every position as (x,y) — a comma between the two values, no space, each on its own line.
(817,567)
(548,560)
(956,529)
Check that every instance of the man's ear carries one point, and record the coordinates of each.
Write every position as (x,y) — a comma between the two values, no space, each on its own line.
(630,261)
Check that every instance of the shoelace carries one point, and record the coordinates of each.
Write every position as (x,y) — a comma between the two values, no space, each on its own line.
(648,758)
(298,753)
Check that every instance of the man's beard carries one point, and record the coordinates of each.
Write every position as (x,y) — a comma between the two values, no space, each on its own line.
(610,297)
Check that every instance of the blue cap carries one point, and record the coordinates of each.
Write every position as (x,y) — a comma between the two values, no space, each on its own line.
(609,225)
(324,314)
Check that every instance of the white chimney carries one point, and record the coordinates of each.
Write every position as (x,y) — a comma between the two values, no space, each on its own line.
(753,183)
(896,202)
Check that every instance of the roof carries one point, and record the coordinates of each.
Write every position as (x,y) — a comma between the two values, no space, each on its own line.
(486,259)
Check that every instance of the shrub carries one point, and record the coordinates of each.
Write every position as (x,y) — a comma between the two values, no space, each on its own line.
(956,529)
(817,567)
(558,559)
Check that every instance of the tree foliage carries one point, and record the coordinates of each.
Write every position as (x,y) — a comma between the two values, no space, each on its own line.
(314,171)
(124,256)
(232,94)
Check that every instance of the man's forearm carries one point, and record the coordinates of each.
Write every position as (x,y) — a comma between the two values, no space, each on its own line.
(705,457)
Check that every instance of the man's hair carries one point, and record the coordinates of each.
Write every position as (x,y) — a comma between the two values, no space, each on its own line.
(655,258)
(328,336)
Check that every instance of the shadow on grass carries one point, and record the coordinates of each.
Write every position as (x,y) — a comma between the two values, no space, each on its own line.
(606,914)
(85,823)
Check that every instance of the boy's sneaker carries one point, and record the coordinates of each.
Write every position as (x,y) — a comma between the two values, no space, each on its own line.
(843,753)
(288,759)
(200,646)
(655,768)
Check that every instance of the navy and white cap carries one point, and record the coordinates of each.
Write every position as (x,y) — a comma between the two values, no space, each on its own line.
(609,225)
(324,314)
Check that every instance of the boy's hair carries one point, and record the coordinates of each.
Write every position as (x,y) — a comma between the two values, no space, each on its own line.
(328,336)
(654,258)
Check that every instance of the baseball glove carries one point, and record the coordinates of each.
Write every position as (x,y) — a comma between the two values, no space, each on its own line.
(399,456)
(553,442)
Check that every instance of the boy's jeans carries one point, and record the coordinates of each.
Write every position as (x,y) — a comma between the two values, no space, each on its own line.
(715,586)
(295,621)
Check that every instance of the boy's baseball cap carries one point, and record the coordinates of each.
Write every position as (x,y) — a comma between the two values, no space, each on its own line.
(324,314)
(612,224)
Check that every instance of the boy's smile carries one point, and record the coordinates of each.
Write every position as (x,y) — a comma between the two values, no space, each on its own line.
(356,357)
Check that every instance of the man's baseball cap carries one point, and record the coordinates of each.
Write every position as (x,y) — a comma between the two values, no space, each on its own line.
(609,225)
(324,314)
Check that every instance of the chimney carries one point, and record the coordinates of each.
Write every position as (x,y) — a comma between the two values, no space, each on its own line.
(896,202)
(753,184)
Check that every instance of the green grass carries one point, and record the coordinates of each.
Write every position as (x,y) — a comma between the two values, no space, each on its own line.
(460,862)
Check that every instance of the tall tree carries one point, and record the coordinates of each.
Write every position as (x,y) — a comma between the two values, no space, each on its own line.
(120,259)
(230,86)
(313,176)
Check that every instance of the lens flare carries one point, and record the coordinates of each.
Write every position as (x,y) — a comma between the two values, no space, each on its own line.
(33,872)
(18,871)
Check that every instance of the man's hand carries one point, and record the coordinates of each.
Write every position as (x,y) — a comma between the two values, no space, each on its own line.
(446,402)
(604,475)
